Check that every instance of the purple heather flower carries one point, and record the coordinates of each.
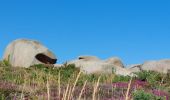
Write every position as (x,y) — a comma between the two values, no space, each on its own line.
(135,84)
(161,93)
(120,84)
(139,83)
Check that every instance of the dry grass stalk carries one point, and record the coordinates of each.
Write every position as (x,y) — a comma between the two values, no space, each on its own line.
(22,94)
(65,93)
(95,89)
(82,90)
(69,93)
(48,89)
(128,90)
(59,87)
(75,83)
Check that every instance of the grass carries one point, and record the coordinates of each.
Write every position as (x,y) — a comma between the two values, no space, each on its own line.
(40,82)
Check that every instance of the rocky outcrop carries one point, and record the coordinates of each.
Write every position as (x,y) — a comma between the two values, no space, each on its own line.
(162,66)
(24,53)
(115,61)
(134,68)
(123,71)
(92,64)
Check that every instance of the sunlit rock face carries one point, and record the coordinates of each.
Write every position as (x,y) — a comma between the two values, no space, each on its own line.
(58,65)
(115,61)
(92,64)
(162,66)
(24,53)
(123,71)
(134,68)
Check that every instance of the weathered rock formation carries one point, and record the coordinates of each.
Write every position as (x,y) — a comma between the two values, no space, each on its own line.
(162,66)
(115,61)
(24,53)
(92,64)
(134,68)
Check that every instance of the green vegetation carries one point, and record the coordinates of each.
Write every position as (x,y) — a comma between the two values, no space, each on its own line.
(46,82)
(142,95)
(150,76)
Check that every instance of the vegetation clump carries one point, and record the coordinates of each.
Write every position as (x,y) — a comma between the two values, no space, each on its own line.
(142,95)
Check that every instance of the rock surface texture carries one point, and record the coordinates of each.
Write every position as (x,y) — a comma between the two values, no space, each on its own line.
(115,61)
(134,68)
(92,64)
(162,66)
(24,53)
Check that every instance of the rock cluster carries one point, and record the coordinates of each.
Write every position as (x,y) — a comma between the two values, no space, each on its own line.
(25,53)
(92,64)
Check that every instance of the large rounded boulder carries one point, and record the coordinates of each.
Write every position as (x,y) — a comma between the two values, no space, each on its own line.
(25,53)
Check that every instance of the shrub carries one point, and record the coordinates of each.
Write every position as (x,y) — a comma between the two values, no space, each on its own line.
(5,63)
(154,78)
(119,78)
(142,95)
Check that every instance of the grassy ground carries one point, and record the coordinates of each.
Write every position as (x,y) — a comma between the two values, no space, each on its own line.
(40,82)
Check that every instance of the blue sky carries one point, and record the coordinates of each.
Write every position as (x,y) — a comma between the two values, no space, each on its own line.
(135,31)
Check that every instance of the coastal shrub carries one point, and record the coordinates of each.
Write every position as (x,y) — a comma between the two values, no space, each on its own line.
(142,95)
(119,78)
(154,78)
